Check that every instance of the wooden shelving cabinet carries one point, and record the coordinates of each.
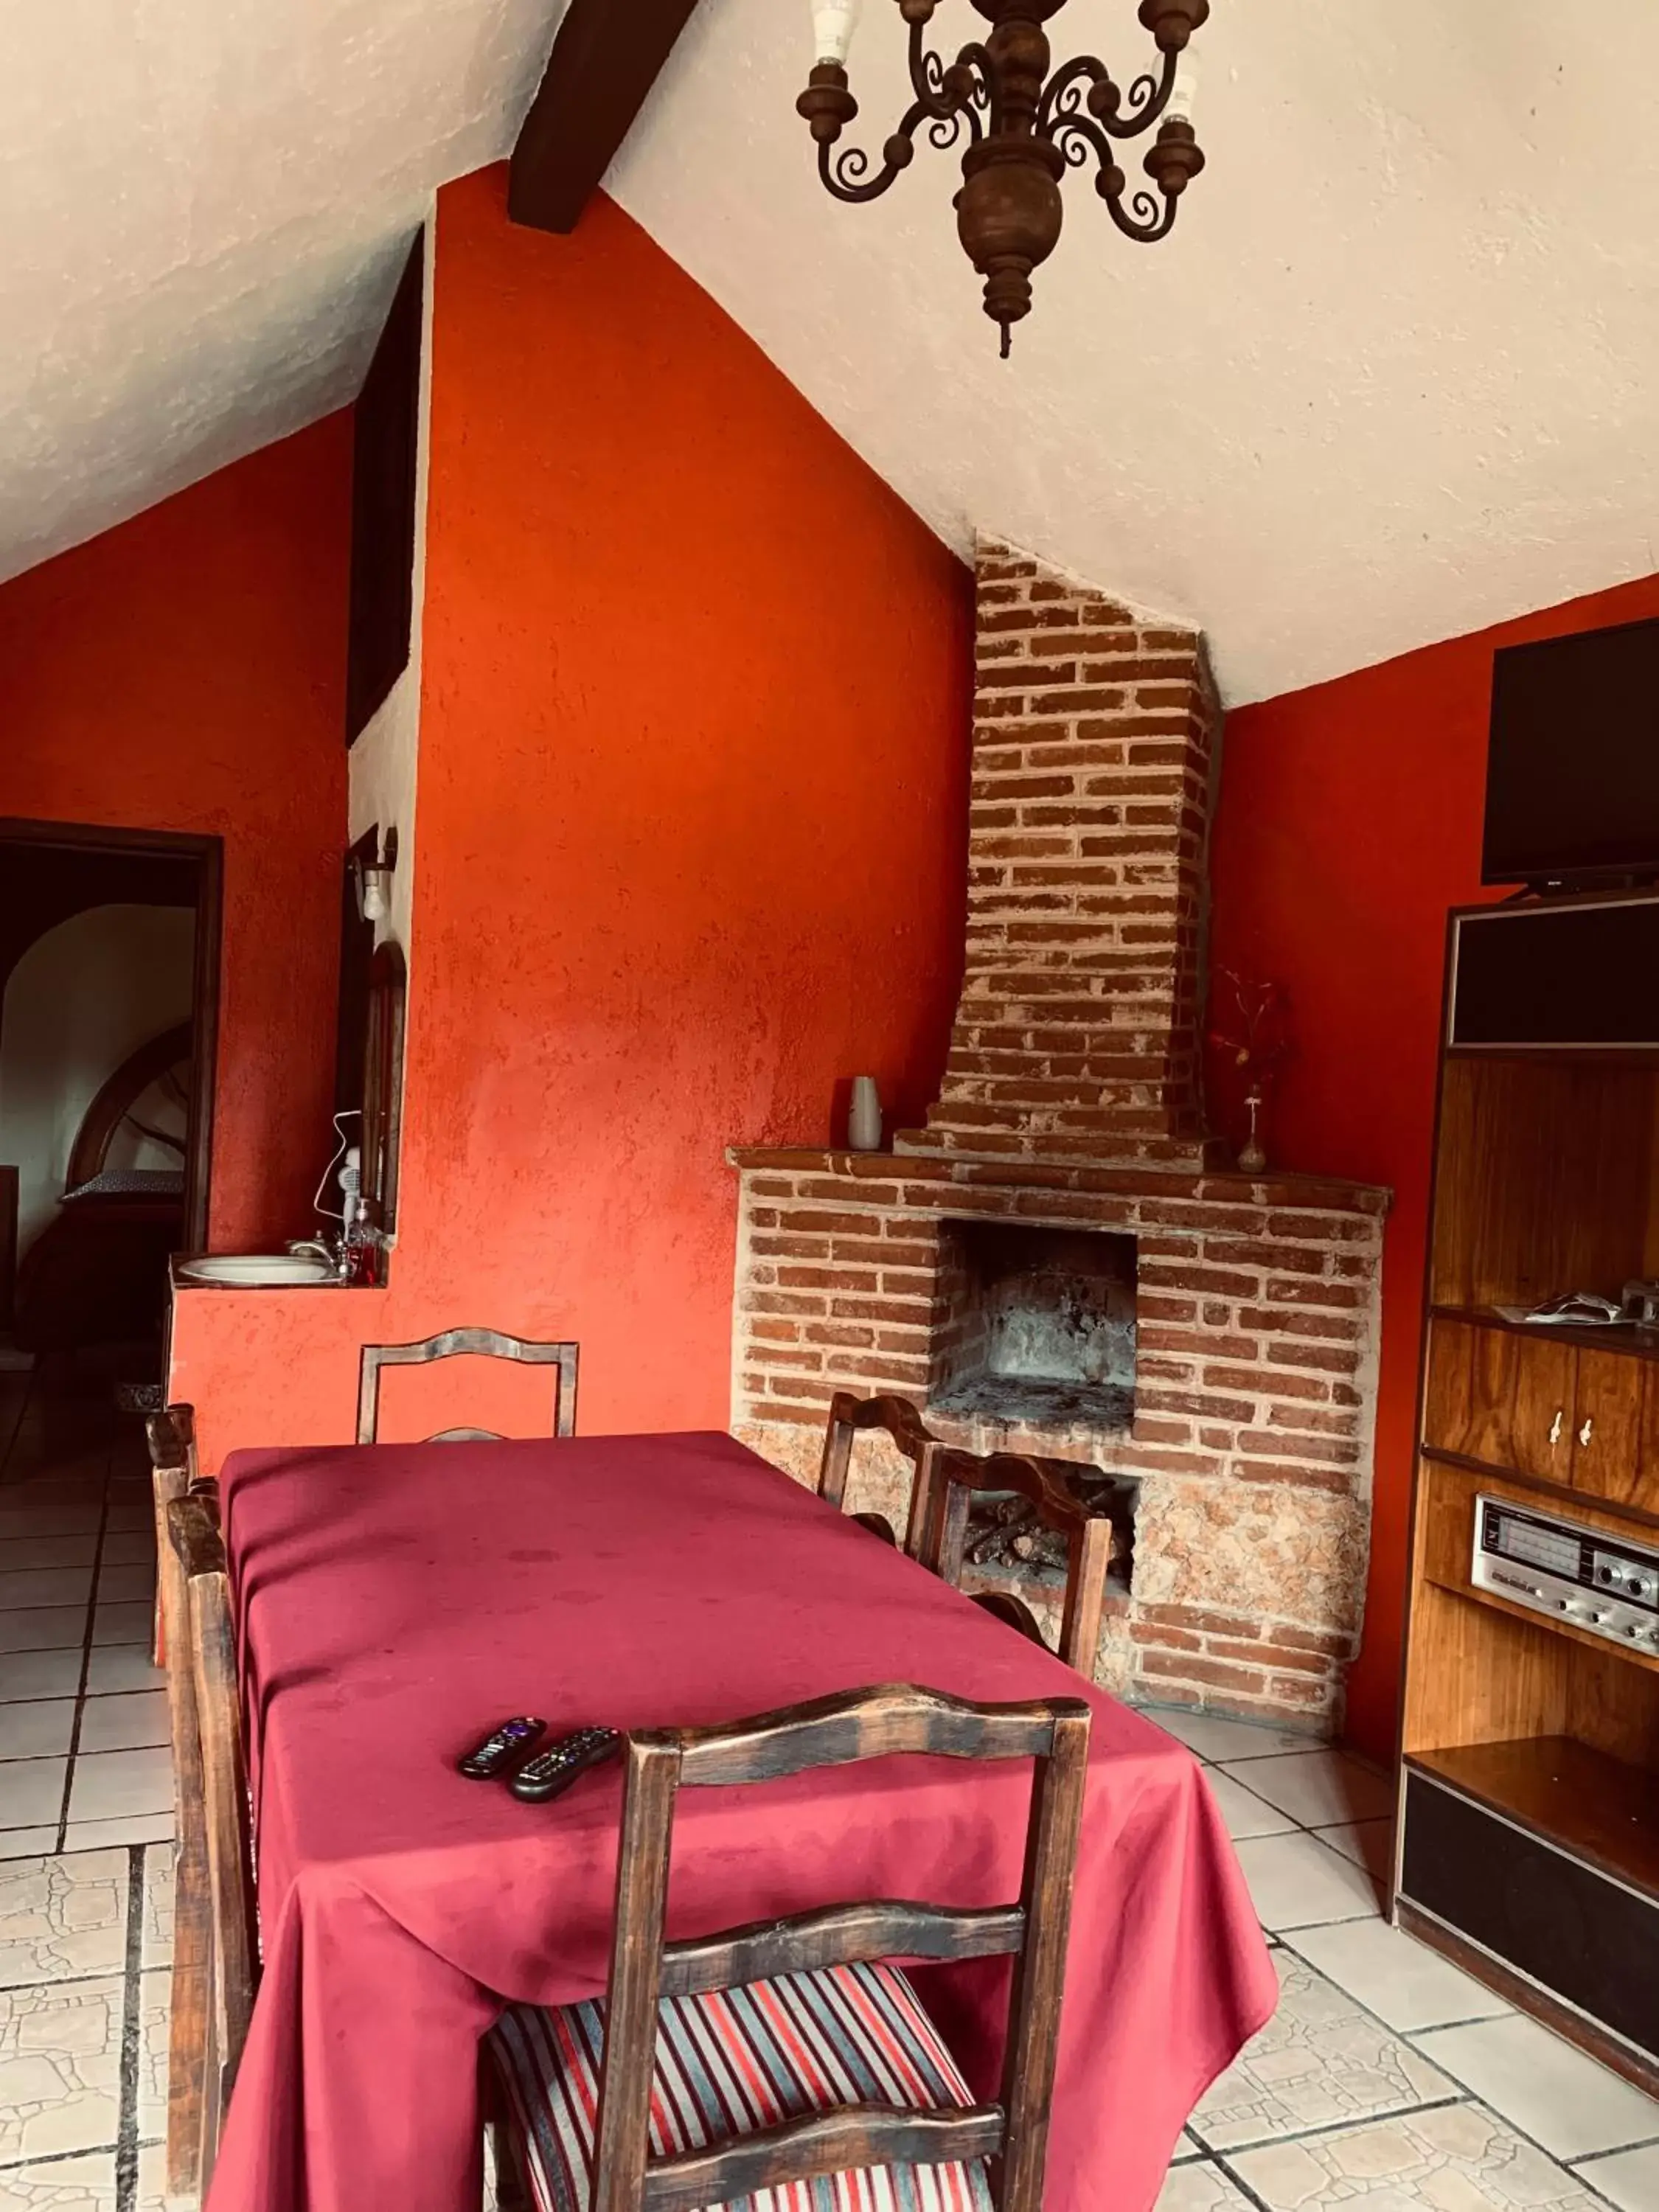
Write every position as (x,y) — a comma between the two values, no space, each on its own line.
(1528,1845)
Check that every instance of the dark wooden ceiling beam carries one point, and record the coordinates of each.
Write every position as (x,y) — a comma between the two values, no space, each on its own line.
(606,56)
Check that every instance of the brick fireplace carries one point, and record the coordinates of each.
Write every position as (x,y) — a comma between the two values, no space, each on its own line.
(1058,1261)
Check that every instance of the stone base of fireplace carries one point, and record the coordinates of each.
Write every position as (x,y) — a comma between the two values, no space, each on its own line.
(1254,1344)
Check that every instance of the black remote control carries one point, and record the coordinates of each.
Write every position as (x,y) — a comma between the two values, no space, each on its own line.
(551,1772)
(502,1748)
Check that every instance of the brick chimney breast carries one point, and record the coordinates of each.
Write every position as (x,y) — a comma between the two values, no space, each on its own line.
(1053,1264)
(1094,728)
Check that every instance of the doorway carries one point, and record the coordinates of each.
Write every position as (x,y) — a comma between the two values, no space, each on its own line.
(109,993)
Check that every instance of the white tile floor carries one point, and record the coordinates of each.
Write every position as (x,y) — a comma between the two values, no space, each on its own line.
(1386,2075)
(86,1822)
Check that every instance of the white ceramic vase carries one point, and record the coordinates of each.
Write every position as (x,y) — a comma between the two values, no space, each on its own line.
(864,1116)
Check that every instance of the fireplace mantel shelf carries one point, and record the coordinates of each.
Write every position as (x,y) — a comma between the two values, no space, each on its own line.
(929,1178)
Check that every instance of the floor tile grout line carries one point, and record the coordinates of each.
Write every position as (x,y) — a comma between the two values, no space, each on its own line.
(1589,2157)
(1307,1827)
(133,1997)
(1287,1938)
(115,1974)
(1560,2158)
(86,1657)
(1467,2094)
(56,2157)
(1366,2011)
(1402,2112)
(34,1758)
(1475,2019)
(1242,2186)
(1500,2124)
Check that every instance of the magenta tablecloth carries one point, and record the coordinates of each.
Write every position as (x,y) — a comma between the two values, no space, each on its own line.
(396,1600)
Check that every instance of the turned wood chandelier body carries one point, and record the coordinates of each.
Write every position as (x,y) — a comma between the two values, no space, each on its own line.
(1024,128)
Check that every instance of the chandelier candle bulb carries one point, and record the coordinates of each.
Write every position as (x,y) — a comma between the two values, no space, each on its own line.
(834,23)
(1183,93)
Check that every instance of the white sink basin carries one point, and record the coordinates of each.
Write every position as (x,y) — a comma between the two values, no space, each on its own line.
(250,1271)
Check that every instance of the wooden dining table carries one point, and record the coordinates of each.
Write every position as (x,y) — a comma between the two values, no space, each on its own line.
(394,1602)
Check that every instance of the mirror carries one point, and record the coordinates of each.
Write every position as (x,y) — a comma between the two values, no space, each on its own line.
(383,1090)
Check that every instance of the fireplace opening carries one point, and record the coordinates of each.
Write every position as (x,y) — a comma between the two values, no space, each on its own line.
(1036,1327)
(1007,1544)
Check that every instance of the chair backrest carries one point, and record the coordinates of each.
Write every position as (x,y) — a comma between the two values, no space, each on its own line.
(898,1718)
(451,1344)
(173,1457)
(171,1435)
(194,1534)
(899,1420)
(955,1475)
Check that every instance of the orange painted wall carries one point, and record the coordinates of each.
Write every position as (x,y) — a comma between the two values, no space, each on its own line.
(186,670)
(690,830)
(1349,822)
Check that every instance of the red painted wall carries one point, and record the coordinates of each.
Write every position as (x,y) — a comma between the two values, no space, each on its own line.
(690,840)
(1349,821)
(186,670)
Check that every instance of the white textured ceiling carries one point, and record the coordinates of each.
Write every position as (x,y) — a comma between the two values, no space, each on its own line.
(204,205)
(1394,375)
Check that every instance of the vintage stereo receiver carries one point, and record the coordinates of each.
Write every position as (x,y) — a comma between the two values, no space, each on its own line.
(1604,1584)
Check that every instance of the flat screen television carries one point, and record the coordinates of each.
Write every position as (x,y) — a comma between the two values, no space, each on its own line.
(1572,766)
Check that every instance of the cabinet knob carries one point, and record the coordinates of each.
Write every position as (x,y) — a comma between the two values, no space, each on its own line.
(1555,1427)
(1584,1433)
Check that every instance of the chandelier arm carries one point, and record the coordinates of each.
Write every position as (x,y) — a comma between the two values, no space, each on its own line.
(928,75)
(942,101)
(844,174)
(1142,221)
(1145,101)
(988,87)
(1077,137)
(1118,115)
(1061,94)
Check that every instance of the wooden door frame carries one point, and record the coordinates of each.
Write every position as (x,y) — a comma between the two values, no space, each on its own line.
(208,853)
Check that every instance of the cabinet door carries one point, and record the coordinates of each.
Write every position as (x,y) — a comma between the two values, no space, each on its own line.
(1541,1426)
(1494,1362)
(1447,1400)
(1608,1428)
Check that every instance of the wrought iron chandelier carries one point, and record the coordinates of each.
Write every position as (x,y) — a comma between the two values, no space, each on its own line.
(1025,130)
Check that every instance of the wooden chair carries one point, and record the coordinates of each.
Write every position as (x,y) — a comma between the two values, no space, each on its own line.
(867,2014)
(173,1458)
(220,2027)
(486,1343)
(955,1475)
(898,1418)
(171,1435)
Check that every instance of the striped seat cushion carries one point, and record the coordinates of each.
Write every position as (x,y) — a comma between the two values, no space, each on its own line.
(735,2060)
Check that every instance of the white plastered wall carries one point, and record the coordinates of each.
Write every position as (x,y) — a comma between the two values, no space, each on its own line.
(81,999)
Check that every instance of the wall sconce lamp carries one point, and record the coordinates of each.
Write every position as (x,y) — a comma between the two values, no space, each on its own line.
(374,880)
